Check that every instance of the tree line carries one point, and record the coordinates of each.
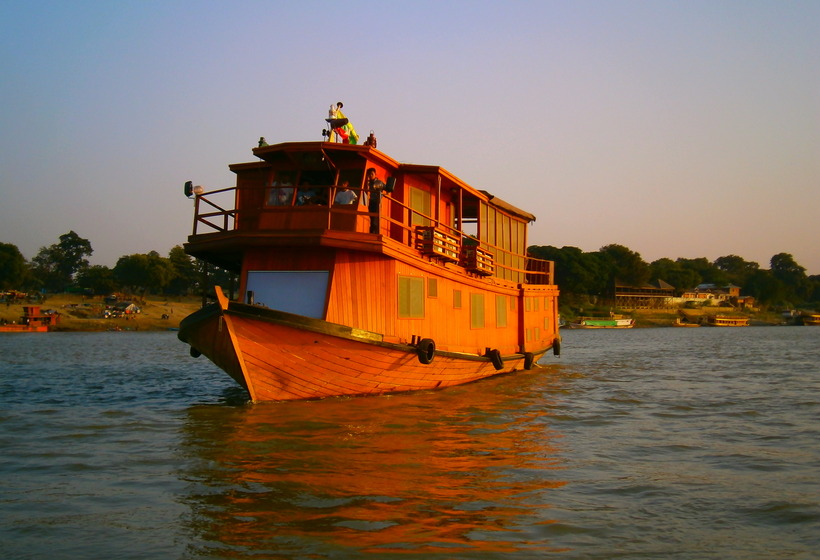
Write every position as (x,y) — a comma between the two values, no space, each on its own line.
(64,267)
(582,274)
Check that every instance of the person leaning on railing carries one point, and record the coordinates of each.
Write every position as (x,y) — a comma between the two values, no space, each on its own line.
(375,189)
(344,195)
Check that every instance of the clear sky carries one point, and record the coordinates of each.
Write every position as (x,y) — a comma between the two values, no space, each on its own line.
(678,129)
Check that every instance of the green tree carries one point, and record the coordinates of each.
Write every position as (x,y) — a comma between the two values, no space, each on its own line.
(625,265)
(13,269)
(98,279)
(186,277)
(55,266)
(674,273)
(708,272)
(814,287)
(736,268)
(576,272)
(765,288)
(792,275)
(144,272)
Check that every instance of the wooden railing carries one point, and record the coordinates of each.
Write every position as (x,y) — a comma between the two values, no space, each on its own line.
(436,240)
(228,216)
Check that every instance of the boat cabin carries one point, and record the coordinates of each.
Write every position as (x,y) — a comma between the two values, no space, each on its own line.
(310,233)
(318,191)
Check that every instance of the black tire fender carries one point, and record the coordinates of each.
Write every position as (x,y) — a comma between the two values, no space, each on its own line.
(556,346)
(495,358)
(426,350)
(529,360)
(194,352)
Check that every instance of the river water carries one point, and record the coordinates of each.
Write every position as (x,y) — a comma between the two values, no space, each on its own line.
(643,443)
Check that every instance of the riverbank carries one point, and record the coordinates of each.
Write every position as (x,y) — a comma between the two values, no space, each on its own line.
(159,313)
(650,318)
(78,313)
(668,317)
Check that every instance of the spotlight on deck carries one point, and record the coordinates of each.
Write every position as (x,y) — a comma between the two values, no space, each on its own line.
(191,190)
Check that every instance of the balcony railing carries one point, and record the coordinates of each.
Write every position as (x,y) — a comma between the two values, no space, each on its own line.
(397,221)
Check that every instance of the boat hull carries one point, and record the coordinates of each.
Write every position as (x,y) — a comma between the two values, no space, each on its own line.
(23,328)
(278,356)
(604,324)
(726,321)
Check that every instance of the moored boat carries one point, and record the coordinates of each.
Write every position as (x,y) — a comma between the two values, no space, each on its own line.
(680,322)
(360,275)
(727,321)
(33,320)
(811,319)
(614,322)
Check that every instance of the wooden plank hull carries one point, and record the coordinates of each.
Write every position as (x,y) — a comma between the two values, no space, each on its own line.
(278,356)
(23,328)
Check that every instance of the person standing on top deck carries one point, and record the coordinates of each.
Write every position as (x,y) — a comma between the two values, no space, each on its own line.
(376,190)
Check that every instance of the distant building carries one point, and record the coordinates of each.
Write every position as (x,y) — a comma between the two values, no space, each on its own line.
(657,295)
(711,294)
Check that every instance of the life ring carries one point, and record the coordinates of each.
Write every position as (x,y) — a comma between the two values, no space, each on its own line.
(495,358)
(426,350)
(195,353)
(556,346)
(529,360)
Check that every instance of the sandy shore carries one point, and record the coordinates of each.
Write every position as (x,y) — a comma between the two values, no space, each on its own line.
(79,314)
(86,314)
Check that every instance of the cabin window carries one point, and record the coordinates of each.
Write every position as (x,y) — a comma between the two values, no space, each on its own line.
(302,292)
(280,192)
(411,297)
(501,311)
(477,311)
(420,203)
(547,323)
(432,287)
(456,299)
(536,303)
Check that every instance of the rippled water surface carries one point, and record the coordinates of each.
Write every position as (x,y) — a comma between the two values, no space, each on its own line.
(644,443)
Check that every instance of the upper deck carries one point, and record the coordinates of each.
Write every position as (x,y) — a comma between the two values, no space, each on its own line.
(317,194)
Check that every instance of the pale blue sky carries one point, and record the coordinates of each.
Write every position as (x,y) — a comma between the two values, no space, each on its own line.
(678,129)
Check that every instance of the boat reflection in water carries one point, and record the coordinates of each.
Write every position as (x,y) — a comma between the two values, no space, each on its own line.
(463,471)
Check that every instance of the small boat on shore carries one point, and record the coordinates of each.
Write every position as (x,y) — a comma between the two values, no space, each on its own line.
(613,322)
(33,320)
(679,322)
(727,321)
(360,275)
(811,319)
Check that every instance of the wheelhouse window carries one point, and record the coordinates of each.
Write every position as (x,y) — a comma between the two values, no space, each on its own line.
(421,204)
(281,190)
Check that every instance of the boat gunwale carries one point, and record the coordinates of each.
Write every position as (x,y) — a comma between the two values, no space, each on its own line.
(320,326)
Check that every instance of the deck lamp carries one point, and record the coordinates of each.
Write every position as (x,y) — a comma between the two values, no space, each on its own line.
(190,189)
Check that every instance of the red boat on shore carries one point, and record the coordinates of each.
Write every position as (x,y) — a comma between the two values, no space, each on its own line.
(360,282)
(33,320)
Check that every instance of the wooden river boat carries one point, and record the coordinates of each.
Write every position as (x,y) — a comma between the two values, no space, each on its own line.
(614,322)
(811,319)
(33,320)
(431,287)
(727,321)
